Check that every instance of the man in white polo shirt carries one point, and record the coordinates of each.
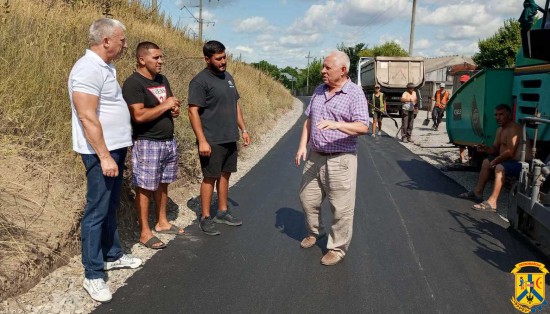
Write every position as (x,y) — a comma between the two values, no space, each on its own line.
(101,132)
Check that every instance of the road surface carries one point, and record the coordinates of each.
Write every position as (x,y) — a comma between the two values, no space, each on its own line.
(416,248)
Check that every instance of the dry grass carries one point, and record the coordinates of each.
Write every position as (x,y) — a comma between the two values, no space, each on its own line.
(39,42)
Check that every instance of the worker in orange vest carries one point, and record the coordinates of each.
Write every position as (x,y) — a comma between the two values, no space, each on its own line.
(441,98)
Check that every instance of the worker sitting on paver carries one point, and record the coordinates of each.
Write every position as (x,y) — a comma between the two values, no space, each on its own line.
(502,160)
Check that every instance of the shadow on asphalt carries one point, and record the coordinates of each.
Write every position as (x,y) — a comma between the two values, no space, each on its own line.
(291,222)
(496,245)
(417,171)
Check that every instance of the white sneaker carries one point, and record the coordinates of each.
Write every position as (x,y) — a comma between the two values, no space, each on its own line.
(98,289)
(373,135)
(126,261)
(379,132)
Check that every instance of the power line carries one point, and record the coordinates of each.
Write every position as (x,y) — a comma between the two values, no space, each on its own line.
(374,30)
(377,18)
(199,20)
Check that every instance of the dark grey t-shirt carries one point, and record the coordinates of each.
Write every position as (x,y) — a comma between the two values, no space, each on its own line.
(217,97)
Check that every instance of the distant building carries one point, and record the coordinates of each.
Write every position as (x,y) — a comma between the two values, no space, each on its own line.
(289,77)
(443,70)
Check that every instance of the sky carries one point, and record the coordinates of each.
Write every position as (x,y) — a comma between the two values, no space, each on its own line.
(285,32)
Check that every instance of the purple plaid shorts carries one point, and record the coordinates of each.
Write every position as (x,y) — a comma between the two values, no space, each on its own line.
(154,162)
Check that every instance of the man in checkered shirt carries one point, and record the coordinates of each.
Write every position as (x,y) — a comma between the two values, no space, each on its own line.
(337,114)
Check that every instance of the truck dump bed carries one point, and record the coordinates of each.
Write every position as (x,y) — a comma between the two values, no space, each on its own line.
(393,72)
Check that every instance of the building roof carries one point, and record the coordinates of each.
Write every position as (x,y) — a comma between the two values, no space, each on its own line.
(288,76)
(432,64)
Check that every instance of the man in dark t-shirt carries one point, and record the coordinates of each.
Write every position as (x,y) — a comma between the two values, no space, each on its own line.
(154,155)
(216,117)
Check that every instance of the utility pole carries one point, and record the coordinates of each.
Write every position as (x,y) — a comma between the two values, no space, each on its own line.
(200,21)
(411,41)
(307,77)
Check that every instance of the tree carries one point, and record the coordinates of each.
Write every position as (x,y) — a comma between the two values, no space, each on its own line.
(353,54)
(499,50)
(268,68)
(387,49)
(315,76)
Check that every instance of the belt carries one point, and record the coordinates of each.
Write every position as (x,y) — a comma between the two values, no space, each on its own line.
(332,154)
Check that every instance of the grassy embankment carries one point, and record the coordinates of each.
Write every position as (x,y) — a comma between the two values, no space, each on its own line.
(42,183)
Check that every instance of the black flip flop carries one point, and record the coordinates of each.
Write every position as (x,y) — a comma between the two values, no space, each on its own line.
(150,244)
(484,207)
(471,195)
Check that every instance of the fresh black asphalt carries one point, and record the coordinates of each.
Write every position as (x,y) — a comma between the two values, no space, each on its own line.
(416,248)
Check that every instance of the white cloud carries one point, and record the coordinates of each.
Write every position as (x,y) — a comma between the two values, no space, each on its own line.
(422,44)
(317,18)
(208,16)
(252,24)
(244,49)
(456,48)
(506,7)
(372,12)
(387,38)
(475,14)
(300,40)
(263,38)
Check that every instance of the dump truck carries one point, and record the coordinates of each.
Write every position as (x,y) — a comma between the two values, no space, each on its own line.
(525,88)
(392,74)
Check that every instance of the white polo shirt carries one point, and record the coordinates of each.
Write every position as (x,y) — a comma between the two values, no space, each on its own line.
(91,75)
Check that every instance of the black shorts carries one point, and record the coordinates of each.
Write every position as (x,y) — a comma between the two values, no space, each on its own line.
(377,115)
(223,158)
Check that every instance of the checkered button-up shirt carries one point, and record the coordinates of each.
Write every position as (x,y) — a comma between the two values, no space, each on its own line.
(347,105)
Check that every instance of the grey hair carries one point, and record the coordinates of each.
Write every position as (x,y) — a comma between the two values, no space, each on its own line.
(102,28)
(342,59)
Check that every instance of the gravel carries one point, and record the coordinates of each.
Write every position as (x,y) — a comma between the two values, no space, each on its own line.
(61,291)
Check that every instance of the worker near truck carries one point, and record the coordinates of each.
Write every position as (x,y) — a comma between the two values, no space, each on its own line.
(503,160)
(441,98)
(377,109)
(409,101)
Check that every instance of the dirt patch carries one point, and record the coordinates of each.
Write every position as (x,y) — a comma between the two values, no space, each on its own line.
(38,214)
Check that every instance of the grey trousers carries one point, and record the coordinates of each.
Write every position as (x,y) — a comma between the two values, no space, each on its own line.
(407,123)
(335,178)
